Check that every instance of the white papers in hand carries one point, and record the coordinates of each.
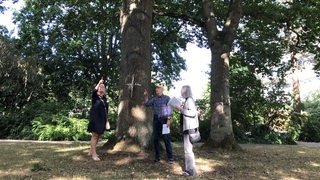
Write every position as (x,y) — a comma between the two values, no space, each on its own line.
(165,129)
(174,102)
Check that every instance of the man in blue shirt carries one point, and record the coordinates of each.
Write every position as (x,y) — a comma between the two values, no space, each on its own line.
(161,115)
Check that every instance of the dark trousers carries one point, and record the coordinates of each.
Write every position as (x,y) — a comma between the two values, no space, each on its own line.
(157,133)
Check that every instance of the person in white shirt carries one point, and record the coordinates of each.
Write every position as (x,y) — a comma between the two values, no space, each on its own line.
(190,125)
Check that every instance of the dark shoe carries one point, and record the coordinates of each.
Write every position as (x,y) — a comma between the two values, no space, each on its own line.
(188,173)
(156,160)
(170,161)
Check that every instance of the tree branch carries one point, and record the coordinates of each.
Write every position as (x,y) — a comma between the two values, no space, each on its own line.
(232,21)
(183,17)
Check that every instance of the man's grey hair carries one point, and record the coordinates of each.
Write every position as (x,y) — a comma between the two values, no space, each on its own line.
(186,91)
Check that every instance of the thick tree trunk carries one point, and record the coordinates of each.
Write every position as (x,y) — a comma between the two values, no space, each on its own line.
(221,134)
(220,42)
(297,105)
(134,128)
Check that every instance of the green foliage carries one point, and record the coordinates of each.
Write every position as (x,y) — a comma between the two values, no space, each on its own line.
(39,167)
(20,79)
(204,114)
(60,127)
(311,127)
(20,83)
(265,135)
(258,114)
(311,130)
(175,129)
(48,121)
(256,109)
(78,43)
(64,47)
(20,122)
(8,122)
(261,111)
(304,23)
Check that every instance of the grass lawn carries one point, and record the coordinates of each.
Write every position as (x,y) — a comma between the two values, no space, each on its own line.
(69,160)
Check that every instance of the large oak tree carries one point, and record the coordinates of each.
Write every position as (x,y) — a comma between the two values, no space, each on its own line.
(134,120)
(220,43)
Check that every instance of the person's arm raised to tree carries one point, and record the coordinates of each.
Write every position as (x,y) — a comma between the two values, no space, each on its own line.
(100,82)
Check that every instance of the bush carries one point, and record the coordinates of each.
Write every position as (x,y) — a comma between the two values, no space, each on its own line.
(240,134)
(175,130)
(263,134)
(44,120)
(311,130)
(18,124)
(15,126)
(60,127)
(7,123)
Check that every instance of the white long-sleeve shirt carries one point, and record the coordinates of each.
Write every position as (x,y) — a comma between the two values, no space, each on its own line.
(190,115)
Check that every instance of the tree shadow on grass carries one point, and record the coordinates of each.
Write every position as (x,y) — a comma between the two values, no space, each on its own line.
(70,161)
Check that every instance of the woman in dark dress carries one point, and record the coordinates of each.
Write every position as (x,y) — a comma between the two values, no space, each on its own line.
(98,117)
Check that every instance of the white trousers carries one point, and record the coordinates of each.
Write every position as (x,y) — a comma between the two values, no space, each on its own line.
(190,164)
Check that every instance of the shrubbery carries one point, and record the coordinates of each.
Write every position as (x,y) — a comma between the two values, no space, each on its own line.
(311,130)
(40,120)
(51,121)
(60,127)
(311,127)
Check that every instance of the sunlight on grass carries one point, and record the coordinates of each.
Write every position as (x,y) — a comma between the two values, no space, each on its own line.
(301,152)
(205,165)
(315,164)
(284,175)
(34,161)
(177,169)
(284,178)
(64,149)
(263,177)
(126,147)
(78,158)
(68,178)
(123,161)
(62,161)
(21,172)
(290,178)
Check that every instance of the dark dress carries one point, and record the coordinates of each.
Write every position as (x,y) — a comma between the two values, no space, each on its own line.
(98,113)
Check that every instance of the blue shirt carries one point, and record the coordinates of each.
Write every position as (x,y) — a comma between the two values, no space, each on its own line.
(160,105)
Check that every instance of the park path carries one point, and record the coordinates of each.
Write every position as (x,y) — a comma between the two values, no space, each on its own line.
(308,144)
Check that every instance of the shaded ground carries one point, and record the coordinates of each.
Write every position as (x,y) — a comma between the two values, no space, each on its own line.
(69,160)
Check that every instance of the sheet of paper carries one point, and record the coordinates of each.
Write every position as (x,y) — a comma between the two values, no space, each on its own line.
(165,129)
(174,102)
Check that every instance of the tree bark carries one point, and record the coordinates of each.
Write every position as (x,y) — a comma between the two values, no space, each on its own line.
(134,126)
(297,105)
(220,43)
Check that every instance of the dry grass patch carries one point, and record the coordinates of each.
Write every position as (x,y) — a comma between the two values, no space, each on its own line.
(33,160)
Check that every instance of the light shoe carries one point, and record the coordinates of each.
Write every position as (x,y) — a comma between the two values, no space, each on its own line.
(185,174)
(96,158)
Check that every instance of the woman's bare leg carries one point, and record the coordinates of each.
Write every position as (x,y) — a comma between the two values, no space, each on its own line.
(93,143)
